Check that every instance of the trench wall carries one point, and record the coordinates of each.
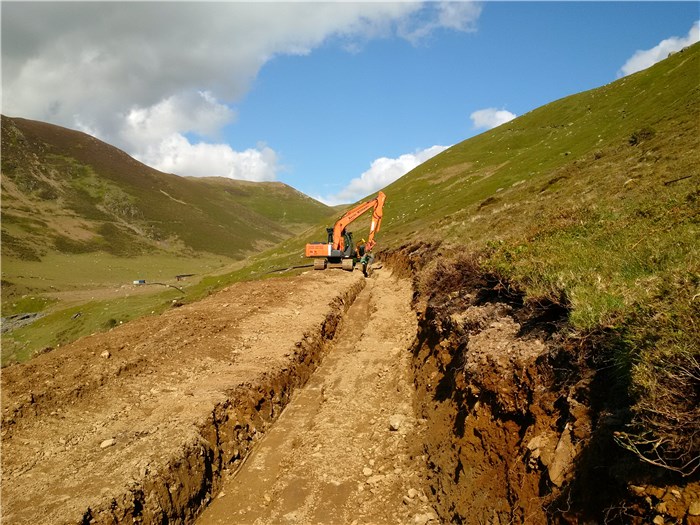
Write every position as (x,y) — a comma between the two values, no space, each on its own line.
(179,490)
(522,411)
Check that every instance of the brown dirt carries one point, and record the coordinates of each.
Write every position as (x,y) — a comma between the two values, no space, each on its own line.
(333,457)
(138,423)
(522,412)
(474,383)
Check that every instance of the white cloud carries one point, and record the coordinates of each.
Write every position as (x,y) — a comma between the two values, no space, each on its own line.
(458,16)
(489,118)
(175,154)
(197,113)
(145,75)
(382,172)
(642,59)
(155,136)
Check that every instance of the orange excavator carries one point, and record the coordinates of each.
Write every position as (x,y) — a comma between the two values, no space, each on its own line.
(340,251)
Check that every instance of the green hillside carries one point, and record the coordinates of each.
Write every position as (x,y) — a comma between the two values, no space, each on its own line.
(275,201)
(599,187)
(81,220)
(591,202)
(67,192)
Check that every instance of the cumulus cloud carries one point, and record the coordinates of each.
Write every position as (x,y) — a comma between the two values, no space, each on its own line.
(489,118)
(59,58)
(382,172)
(198,113)
(145,76)
(644,58)
(175,154)
(156,136)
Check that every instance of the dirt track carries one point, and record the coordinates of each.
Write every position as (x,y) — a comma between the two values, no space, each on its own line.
(138,425)
(348,448)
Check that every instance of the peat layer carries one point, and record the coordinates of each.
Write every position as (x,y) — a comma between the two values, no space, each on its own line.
(523,411)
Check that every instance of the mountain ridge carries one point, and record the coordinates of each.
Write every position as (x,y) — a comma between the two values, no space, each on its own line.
(106,200)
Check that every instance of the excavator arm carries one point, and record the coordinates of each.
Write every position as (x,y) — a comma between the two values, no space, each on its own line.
(377,204)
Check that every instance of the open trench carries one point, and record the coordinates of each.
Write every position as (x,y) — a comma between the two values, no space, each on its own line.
(138,425)
(348,448)
(459,403)
(476,411)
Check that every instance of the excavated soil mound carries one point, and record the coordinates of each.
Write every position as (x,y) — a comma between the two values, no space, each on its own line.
(136,425)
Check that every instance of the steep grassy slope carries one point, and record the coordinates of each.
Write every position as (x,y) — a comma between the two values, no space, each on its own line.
(67,192)
(590,203)
(273,200)
(600,187)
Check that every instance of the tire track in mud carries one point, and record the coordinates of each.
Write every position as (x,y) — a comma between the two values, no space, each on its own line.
(348,448)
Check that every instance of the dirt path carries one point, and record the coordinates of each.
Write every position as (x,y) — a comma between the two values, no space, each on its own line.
(136,425)
(144,423)
(347,449)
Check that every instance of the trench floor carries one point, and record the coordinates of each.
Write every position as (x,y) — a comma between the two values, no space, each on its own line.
(348,448)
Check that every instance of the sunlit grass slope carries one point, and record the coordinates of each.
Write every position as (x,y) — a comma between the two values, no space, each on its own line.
(594,194)
(591,201)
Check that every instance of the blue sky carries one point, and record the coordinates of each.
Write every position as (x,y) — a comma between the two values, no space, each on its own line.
(336,99)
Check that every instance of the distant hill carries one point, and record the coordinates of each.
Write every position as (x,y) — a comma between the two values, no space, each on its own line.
(67,192)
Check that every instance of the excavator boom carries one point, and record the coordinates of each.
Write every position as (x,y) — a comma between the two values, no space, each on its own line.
(377,203)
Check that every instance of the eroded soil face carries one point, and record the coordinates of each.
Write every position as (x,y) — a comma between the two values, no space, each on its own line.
(523,412)
(136,425)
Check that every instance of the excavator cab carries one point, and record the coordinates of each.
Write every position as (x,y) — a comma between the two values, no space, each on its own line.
(349,245)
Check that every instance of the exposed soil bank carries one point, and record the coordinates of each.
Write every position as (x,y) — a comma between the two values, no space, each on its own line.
(522,411)
(138,424)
